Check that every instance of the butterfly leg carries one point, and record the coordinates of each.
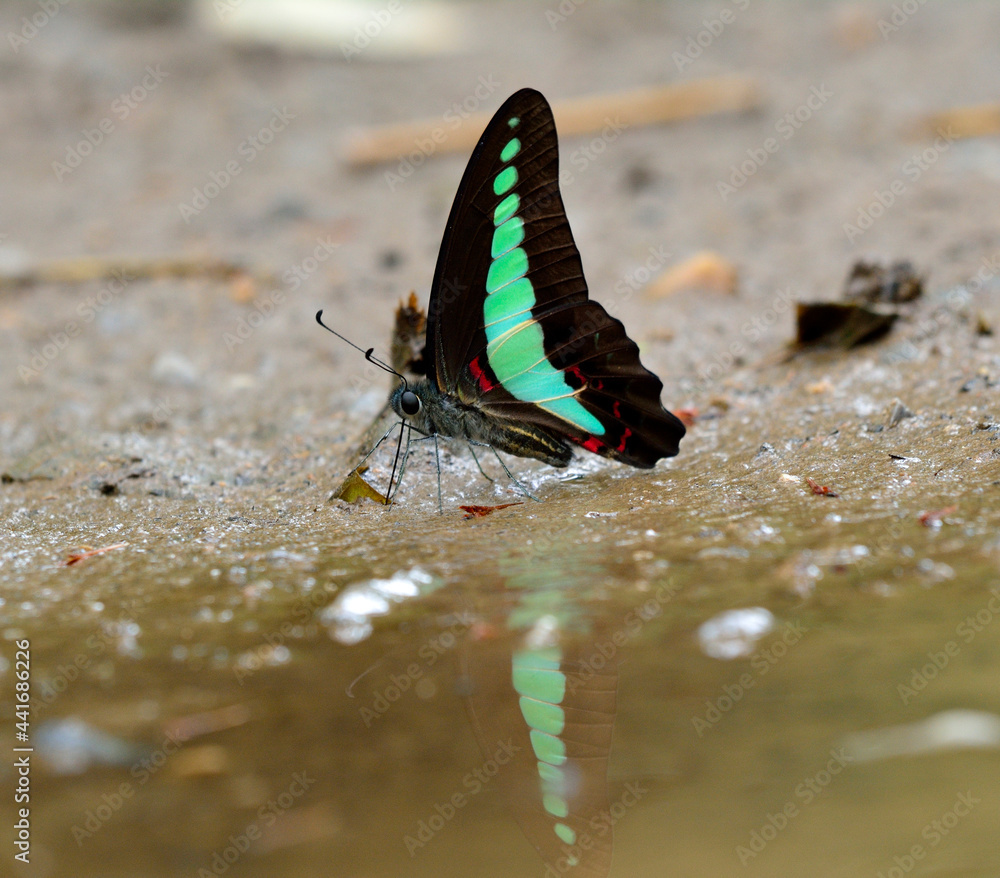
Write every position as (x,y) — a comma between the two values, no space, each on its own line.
(406,455)
(437,461)
(389,492)
(510,475)
(482,472)
(385,436)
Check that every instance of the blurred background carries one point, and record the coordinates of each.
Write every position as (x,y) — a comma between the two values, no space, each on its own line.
(186,183)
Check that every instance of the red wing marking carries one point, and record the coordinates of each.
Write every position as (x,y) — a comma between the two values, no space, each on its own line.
(592,443)
(485,385)
(576,373)
(617,409)
(621,445)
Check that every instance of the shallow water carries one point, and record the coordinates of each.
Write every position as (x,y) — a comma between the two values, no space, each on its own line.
(360,731)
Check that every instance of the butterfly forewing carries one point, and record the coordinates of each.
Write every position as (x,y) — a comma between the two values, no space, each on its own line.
(511,330)
(456,325)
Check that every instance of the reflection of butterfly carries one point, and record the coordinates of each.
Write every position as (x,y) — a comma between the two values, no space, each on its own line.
(554,706)
(517,356)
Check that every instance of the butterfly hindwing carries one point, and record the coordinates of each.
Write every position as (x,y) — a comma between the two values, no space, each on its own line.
(511,329)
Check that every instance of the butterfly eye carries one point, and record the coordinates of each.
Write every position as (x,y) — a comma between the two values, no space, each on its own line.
(410,403)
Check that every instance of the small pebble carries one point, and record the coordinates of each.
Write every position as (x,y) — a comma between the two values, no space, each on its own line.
(175,369)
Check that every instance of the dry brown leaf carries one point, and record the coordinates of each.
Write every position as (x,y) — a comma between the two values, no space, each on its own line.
(355,488)
(483,511)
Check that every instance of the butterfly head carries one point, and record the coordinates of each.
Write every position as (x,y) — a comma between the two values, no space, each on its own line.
(406,402)
(420,406)
(409,403)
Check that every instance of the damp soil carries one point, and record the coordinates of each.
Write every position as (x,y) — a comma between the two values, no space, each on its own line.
(200,426)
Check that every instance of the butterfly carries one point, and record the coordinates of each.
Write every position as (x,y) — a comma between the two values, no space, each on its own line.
(517,356)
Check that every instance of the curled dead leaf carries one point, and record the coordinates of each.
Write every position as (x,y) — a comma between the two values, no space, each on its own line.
(355,488)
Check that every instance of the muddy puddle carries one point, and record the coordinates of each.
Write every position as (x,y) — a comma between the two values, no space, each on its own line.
(331,686)
(775,654)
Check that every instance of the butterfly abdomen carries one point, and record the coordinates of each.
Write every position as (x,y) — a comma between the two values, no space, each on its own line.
(527,440)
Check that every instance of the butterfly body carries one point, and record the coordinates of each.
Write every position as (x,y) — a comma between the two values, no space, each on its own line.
(444,415)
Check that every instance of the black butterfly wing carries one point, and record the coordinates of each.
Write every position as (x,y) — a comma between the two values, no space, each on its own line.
(511,330)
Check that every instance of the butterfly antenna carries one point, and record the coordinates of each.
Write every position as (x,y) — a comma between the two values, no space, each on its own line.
(369,354)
